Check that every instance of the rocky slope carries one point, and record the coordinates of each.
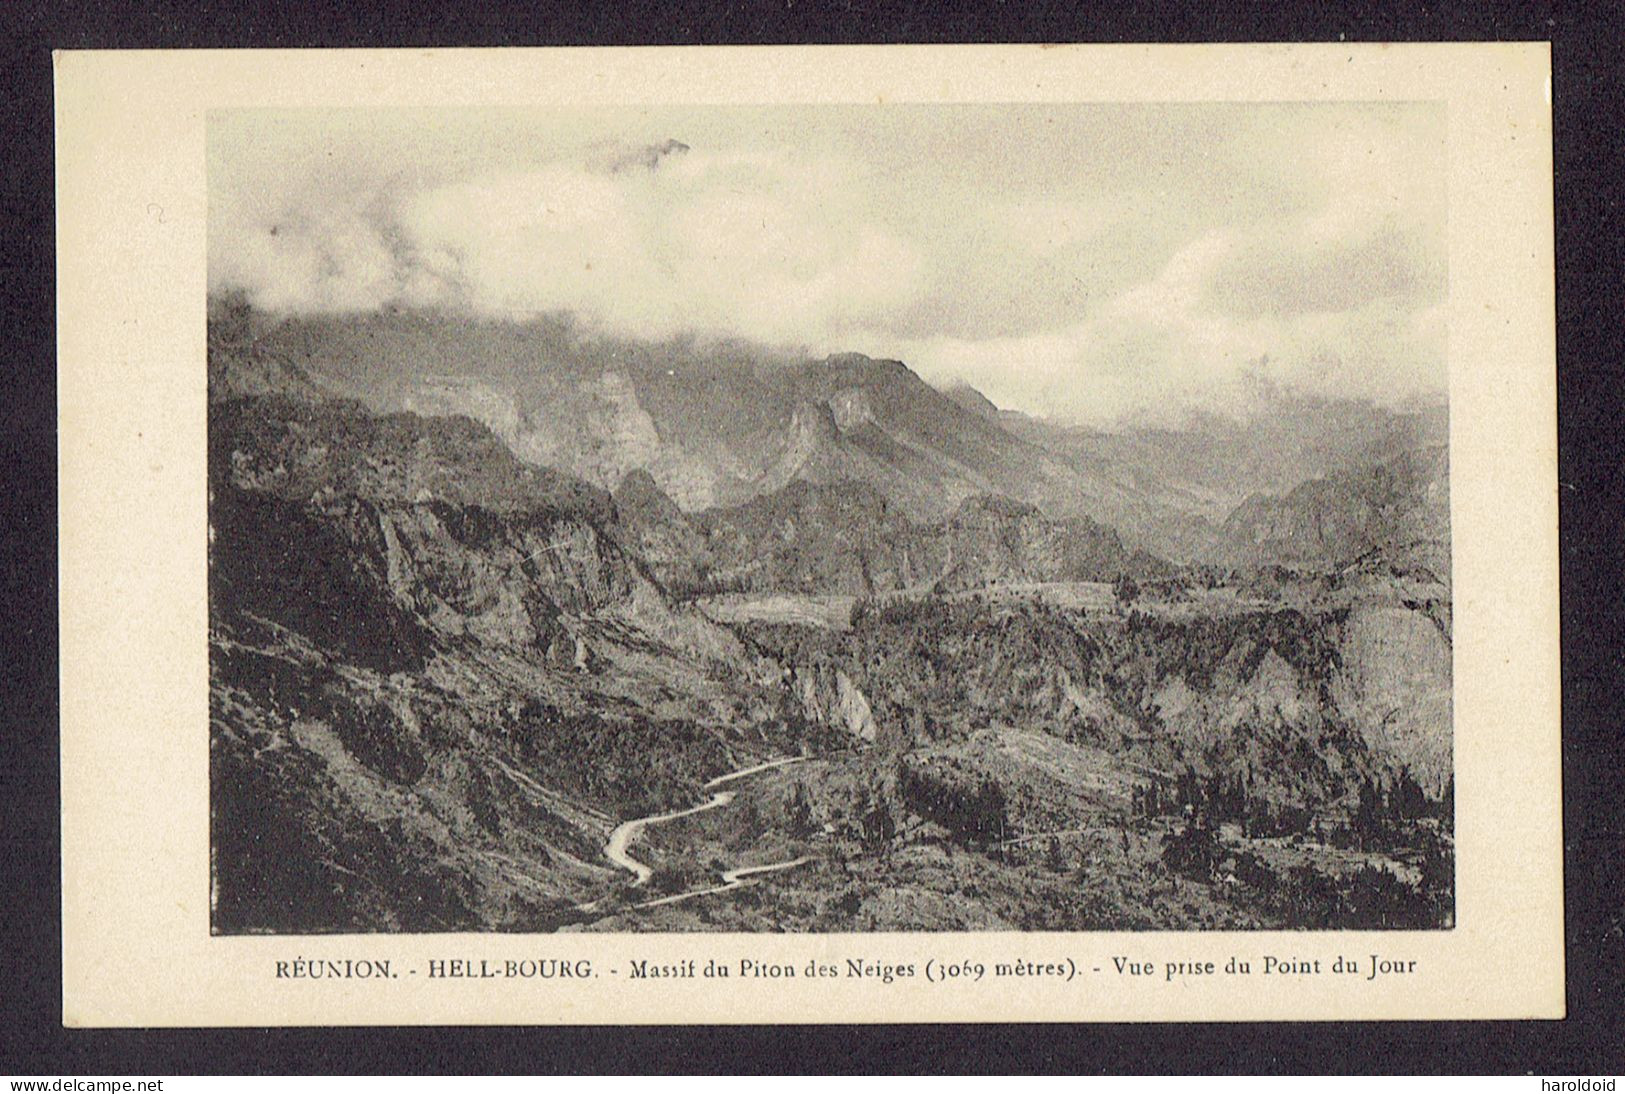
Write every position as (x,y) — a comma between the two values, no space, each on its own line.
(1399,507)
(1301,701)
(438,680)
(1175,487)
(453,639)
(847,537)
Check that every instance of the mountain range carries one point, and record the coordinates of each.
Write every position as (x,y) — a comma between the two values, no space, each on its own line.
(715,426)
(463,586)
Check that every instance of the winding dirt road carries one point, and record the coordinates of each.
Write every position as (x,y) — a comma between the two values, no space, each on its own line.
(732,879)
(744,771)
(620,839)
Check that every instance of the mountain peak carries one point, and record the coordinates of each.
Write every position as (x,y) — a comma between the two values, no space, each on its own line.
(852,369)
(655,521)
(638,489)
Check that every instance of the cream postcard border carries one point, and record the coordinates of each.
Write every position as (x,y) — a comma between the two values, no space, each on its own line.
(131,297)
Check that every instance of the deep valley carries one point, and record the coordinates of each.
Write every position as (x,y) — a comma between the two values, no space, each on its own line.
(515,631)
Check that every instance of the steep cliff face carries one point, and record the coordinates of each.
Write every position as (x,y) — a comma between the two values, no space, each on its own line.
(829,697)
(840,537)
(718,424)
(1315,702)
(438,525)
(1395,684)
(814,452)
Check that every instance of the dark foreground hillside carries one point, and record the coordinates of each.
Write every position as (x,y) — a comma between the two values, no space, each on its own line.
(436,683)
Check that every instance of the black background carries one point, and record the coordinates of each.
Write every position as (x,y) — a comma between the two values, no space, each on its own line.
(1587,144)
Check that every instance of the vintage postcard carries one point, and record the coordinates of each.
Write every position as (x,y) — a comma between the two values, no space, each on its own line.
(808,534)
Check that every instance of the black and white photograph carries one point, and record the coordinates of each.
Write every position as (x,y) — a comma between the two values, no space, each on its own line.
(829,518)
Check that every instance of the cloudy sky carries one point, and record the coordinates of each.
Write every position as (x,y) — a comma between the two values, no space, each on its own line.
(1089,262)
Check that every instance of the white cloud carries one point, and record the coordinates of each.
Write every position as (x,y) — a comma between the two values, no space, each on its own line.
(773,247)
(1088,261)
(1165,347)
